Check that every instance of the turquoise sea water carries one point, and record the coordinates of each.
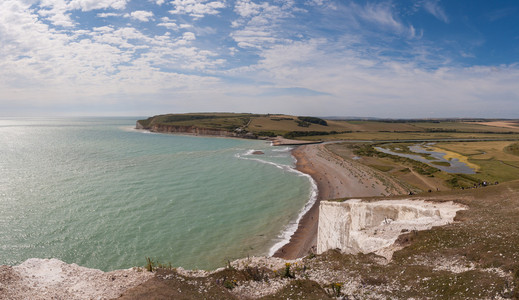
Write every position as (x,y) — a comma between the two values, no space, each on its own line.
(96,192)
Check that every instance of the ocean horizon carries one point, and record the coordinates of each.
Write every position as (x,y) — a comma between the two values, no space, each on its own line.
(96,192)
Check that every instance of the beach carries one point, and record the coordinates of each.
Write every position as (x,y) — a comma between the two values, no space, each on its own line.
(336,178)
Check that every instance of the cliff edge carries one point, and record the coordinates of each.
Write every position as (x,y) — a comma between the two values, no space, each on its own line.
(198,124)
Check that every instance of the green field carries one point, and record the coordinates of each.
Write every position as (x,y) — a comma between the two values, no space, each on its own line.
(495,160)
(296,127)
(223,121)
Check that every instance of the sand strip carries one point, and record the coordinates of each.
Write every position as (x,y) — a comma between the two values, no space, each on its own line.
(335,178)
(281,141)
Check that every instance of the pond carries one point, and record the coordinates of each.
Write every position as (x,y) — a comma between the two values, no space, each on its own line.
(436,159)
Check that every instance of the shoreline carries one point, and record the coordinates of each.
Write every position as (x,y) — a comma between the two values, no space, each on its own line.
(304,221)
(305,236)
(335,178)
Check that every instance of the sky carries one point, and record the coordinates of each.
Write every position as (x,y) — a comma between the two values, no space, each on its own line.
(386,59)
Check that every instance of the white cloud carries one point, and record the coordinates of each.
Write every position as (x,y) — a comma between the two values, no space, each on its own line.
(248,8)
(58,11)
(107,15)
(125,37)
(259,25)
(42,64)
(88,5)
(374,85)
(169,25)
(141,15)
(253,38)
(197,8)
(381,14)
(434,8)
(103,29)
(315,2)
(189,36)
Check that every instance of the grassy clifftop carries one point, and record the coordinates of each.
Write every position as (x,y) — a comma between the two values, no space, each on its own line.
(312,128)
(220,121)
(257,125)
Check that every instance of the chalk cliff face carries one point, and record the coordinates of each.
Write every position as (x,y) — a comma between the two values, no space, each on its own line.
(163,128)
(189,129)
(364,227)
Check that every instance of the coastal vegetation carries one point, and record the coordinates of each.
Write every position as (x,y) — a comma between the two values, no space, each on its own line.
(491,160)
(313,120)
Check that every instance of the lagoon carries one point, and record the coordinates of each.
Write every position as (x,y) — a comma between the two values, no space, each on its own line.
(447,165)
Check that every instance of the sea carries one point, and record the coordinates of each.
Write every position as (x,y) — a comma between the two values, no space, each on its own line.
(101,194)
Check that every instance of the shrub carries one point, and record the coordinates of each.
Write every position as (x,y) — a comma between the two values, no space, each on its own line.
(313,120)
(293,134)
(336,289)
(267,133)
(303,123)
(256,274)
(286,272)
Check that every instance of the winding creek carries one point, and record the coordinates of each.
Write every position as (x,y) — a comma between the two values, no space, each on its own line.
(455,166)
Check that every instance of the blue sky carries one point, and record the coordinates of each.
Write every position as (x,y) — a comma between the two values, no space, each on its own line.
(393,59)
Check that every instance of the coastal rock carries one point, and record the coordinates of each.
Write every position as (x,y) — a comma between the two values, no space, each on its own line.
(53,279)
(364,227)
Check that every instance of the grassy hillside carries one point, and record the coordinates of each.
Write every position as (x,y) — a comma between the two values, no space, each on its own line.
(223,121)
(315,129)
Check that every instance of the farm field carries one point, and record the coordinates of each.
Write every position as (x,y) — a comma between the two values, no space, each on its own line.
(317,129)
(496,161)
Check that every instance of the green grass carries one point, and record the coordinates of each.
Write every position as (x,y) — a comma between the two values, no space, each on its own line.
(224,121)
(512,149)
(404,149)
(382,168)
(463,127)
(336,129)
(497,160)
(441,163)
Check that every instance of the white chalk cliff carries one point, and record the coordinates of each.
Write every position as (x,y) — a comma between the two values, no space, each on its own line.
(355,227)
(37,279)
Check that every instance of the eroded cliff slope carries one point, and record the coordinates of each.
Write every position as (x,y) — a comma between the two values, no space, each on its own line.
(355,226)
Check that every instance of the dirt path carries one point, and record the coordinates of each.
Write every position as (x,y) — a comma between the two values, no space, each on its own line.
(427,183)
